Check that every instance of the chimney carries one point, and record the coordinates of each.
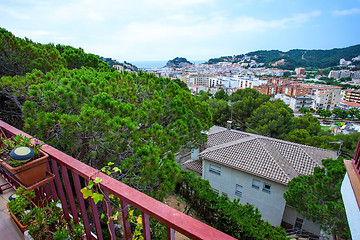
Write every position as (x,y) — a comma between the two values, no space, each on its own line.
(228,125)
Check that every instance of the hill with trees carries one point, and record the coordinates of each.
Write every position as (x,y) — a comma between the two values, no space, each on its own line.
(178,62)
(127,66)
(297,57)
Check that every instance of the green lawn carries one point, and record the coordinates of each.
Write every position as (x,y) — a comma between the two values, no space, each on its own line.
(325,127)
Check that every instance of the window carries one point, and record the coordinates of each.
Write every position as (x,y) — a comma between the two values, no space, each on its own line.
(255,184)
(299,223)
(238,190)
(214,169)
(267,188)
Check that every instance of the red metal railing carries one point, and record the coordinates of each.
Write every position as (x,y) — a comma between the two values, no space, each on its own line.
(356,160)
(63,185)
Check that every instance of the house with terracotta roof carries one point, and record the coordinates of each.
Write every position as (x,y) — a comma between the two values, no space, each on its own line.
(346,105)
(257,169)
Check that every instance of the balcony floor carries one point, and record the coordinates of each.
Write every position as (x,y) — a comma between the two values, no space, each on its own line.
(8,229)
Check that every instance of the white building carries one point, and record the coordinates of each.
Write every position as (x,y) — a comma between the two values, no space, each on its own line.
(345,105)
(327,98)
(215,82)
(284,98)
(297,102)
(257,169)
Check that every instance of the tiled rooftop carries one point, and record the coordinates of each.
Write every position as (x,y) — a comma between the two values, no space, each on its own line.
(193,165)
(270,158)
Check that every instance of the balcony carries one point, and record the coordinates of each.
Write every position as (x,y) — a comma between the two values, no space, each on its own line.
(71,175)
(350,191)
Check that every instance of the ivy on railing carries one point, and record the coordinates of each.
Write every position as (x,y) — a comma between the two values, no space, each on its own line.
(93,190)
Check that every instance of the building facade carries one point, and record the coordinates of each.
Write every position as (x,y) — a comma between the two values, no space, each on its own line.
(352,95)
(257,169)
(297,102)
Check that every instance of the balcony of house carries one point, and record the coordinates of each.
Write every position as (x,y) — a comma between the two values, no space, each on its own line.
(71,175)
(350,191)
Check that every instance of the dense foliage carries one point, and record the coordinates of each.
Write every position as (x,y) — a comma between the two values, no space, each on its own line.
(298,57)
(20,56)
(318,198)
(138,121)
(239,221)
(277,122)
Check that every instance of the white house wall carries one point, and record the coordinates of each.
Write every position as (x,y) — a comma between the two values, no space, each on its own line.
(290,216)
(271,205)
(351,207)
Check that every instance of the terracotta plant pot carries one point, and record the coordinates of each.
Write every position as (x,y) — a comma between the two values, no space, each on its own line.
(30,172)
(17,222)
(20,226)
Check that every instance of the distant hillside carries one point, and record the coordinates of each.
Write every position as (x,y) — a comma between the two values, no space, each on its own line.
(178,62)
(296,57)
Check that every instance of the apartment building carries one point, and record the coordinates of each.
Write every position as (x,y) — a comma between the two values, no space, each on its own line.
(345,105)
(352,95)
(297,102)
(300,71)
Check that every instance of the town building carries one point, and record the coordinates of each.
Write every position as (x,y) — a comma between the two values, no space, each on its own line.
(325,96)
(352,95)
(300,71)
(257,169)
(297,102)
(118,67)
(345,105)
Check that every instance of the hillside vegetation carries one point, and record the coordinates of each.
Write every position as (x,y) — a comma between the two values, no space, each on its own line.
(297,57)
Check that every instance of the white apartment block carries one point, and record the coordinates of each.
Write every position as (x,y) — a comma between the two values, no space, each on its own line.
(297,102)
(328,98)
(215,82)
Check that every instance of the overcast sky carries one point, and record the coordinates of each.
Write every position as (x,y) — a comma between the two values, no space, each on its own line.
(148,30)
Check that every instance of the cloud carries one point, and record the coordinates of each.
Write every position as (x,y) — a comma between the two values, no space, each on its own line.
(346,12)
(186,33)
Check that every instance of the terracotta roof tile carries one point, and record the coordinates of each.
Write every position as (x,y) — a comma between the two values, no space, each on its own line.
(270,158)
(224,137)
(193,165)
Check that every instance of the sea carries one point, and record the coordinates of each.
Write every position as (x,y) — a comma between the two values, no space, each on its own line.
(159,64)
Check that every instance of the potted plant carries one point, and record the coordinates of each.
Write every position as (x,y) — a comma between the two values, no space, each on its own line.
(20,208)
(23,159)
(50,223)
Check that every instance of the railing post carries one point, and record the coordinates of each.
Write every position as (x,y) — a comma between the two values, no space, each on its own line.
(170,233)
(125,214)
(146,226)
(69,193)
(95,215)
(82,205)
(60,189)
(108,212)
(355,159)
